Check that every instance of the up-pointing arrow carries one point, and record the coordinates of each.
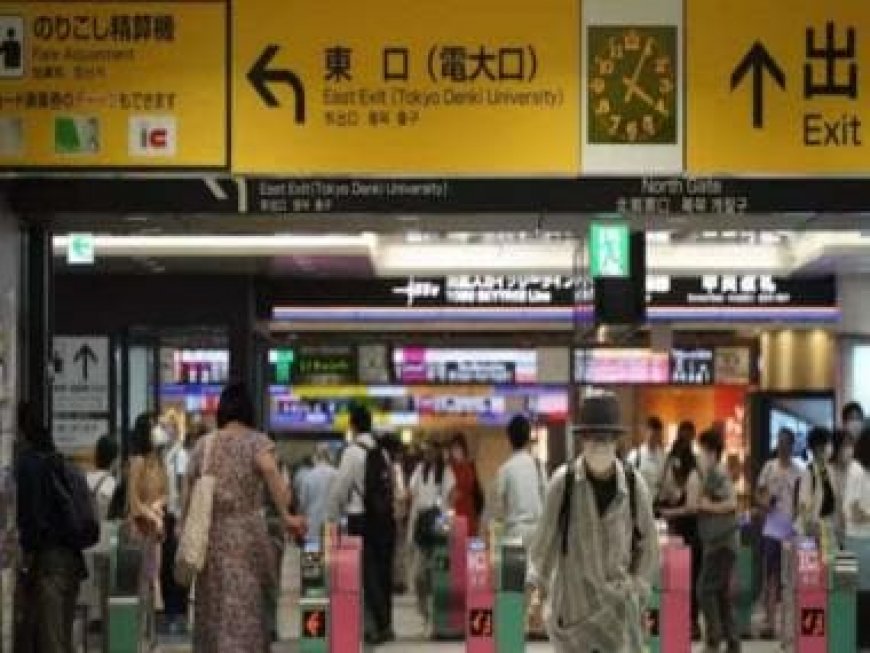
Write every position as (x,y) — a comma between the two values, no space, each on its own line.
(85,355)
(757,61)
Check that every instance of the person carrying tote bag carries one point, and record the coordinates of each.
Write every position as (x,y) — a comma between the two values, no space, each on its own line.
(193,544)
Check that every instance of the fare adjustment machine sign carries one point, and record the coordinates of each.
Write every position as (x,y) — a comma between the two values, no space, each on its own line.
(113,84)
(778,88)
(386,86)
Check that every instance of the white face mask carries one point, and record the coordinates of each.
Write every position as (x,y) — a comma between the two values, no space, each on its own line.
(854,427)
(848,454)
(600,456)
(159,436)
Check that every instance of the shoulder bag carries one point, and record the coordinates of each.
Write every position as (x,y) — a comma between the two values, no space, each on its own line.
(193,544)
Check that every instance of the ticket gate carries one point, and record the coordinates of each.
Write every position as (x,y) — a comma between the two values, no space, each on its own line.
(330,612)
(510,596)
(448,581)
(669,614)
(842,603)
(480,600)
(743,589)
(495,614)
(129,601)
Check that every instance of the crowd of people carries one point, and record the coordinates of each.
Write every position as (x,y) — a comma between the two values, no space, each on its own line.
(591,529)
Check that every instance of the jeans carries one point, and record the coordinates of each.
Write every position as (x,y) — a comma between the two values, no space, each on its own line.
(51,591)
(714,596)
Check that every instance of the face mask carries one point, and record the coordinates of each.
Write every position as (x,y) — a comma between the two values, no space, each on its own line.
(600,456)
(854,427)
(829,451)
(706,461)
(159,436)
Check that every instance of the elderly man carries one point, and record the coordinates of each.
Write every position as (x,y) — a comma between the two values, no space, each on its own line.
(597,545)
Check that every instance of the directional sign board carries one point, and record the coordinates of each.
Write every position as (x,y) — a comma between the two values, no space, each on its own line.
(128,83)
(80,399)
(384,86)
(778,89)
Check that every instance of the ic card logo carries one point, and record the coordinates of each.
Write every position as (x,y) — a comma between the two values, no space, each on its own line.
(153,136)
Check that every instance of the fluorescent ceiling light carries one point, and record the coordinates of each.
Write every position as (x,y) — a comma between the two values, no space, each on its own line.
(206,245)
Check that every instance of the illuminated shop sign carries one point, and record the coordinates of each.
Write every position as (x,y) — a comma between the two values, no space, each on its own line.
(465,366)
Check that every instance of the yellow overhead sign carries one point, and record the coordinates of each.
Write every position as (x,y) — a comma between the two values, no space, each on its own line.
(113,84)
(778,87)
(389,86)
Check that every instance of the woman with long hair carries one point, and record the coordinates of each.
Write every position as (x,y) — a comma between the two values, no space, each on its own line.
(240,568)
(678,502)
(432,485)
(468,501)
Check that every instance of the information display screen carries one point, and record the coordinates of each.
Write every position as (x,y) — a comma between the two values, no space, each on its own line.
(692,366)
(465,366)
(604,366)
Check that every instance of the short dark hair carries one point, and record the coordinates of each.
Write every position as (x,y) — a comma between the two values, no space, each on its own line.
(235,406)
(818,437)
(852,408)
(862,449)
(360,419)
(786,432)
(106,452)
(712,440)
(686,430)
(519,432)
(655,424)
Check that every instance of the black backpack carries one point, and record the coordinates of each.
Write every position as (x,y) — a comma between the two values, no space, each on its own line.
(377,494)
(73,513)
(565,509)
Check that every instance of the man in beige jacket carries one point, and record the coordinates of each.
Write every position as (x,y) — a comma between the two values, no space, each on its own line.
(597,546)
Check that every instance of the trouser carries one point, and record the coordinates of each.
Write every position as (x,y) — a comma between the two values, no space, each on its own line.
(714,596)
(423,580)
(175,596)
(378,551)
(51,588)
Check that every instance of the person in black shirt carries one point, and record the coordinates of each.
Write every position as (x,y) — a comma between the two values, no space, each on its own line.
(52,571)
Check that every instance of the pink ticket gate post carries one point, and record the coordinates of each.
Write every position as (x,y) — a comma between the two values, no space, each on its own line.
(676,598)
(480,603)
(811,599)
(345,595)
(458,572)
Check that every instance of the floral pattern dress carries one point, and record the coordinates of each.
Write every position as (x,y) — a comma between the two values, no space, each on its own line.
(231,592)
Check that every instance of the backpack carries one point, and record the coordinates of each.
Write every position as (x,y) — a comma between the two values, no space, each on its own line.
(565,509)
(378,494)
(72,509)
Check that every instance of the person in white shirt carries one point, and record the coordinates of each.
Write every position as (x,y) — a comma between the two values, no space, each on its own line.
(649,457)
(520,486)
(314,489)
(102,484)
(776,495)
(348,498)
(431,486)
(841,460)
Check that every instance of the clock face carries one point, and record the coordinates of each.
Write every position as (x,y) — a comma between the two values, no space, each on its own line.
(632,75)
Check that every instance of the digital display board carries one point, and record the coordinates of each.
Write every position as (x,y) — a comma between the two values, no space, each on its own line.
(465,366)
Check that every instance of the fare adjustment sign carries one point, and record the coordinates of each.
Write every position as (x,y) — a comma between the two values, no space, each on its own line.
(386,86)
(778,88)
(113,84)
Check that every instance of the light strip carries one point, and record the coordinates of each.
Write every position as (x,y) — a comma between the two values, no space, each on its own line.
(202,246)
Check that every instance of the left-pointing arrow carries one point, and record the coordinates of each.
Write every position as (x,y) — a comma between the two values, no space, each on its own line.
(261,76)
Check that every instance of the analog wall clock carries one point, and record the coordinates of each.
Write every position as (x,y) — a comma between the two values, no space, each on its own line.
(632,77)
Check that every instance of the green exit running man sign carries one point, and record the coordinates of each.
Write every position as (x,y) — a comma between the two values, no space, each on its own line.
(609,250)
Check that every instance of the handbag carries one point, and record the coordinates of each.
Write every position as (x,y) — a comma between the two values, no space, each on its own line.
(193,544)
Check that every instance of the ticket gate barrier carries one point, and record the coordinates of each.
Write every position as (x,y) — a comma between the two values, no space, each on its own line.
(129,600)
(344,569)
(510,596)
(448,560)
(669,613)
(480,600)
(842,603)
(805,604)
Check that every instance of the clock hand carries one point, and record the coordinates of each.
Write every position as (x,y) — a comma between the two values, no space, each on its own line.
(635,89)
(646,54)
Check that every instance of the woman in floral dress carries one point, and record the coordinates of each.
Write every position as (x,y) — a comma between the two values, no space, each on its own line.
(231,592)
